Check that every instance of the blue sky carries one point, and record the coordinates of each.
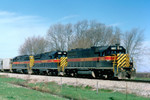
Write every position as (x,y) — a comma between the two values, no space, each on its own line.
(20,19)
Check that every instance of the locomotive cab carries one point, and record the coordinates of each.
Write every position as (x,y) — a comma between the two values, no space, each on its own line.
(113,50)
(122,64)
(60,54)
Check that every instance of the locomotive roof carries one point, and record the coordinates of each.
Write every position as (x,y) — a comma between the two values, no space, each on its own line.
(49,53)
(21,56)
(102,48)
(99,48)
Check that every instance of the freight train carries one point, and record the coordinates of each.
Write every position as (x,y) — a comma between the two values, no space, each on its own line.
(101,61)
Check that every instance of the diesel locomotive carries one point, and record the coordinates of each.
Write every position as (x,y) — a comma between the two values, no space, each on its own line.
(108,61)
(45,63)
(101,61)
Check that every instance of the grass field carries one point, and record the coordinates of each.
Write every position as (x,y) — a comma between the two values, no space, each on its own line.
(137,78)
(13,92)
(142,76)
(17,89)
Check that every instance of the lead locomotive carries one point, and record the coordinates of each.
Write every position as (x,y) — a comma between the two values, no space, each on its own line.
(109,61)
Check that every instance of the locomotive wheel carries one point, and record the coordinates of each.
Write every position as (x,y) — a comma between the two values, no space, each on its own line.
(96,74)
(24,71)
(71,73)
(30,72)
(37,72)
(50,73)
(61,73)
(110,76)
(14,70)
(122,75)
(10,71)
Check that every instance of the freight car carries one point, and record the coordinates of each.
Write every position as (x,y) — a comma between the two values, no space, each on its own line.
(1,62)
(45,63)
(5,64)
(102,61)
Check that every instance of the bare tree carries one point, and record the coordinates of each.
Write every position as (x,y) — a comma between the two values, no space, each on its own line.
(116,38)
(68,35)
(80,39)
(59,36)
(82,34)
(93,33)
(33,45)
(132,41)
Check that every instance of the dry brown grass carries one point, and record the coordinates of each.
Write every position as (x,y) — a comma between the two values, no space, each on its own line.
(143,75)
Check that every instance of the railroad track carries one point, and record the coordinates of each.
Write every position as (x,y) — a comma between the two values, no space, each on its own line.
(125,80)
(134,80)
(138,87)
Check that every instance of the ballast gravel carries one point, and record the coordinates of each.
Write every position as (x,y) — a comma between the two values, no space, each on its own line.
(140,89)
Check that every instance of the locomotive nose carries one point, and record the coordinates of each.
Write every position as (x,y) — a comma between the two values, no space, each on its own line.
(63,63)
(123,60)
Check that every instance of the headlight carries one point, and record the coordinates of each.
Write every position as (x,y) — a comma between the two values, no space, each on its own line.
(113,48)
(59,52)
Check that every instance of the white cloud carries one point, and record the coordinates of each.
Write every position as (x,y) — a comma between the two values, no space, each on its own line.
(13,18)
(14,28)
(114,24)
(17,19)
(68,17)
(5,13)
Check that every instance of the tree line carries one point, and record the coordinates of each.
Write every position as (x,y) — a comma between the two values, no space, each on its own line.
(83,34)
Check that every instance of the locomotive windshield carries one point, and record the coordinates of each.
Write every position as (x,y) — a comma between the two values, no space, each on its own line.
(61,54)
(113,50)
(116,52)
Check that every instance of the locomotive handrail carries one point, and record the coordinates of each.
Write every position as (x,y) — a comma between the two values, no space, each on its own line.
(134,66)
(114,63)
(58,65)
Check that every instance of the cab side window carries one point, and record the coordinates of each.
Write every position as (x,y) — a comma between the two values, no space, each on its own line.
(108,53)
(103,54)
